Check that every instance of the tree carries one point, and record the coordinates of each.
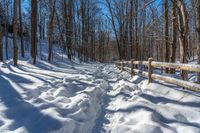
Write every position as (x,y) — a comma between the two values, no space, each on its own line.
(197,9)
(114,27)
(131,28)
(51,27)
(15,30)
(69,26)
(183,31)
(1,30)
(1,45)
(173,44)
(6,27)
(33,30)
(21,30)
(166,33)
(136,31)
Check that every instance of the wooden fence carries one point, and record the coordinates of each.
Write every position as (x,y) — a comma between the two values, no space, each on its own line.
(153,64)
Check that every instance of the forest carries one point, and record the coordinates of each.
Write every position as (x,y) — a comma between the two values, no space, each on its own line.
(104,31)
(86,61)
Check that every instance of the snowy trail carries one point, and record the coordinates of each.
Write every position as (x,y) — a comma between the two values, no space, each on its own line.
(84,98)
(47,98)
(153,108)
(119,89)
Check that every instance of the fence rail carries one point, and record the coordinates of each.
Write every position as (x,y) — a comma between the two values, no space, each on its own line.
(151,76)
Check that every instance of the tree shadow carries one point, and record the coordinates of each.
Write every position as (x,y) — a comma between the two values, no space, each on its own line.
(55,67)
(26,73)
(158,117)
(164,100)
(139,80)
(23,113)
(172,86)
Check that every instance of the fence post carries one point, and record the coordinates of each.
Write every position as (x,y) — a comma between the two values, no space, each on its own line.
(150,70)
(122,65)
(132,67)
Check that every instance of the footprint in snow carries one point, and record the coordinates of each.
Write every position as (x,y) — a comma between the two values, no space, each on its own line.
(181,118)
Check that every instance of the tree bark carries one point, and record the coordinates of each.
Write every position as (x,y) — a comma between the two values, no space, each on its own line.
(173,44)
(51,27)
(69,28)
(21,30)
(183,30)
(15,29)
(6,28)
(34,30)
(166,33)
(197,8)
(136,31)
(114,28)
(131,28)
(1,44)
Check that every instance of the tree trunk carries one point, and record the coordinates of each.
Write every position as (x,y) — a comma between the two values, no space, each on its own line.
(183,30)
(1,44)
(21,30)
(131,28)
(50,31)
(166,33)
(6,28)
(114,28)
(34,30)
(69,28)
(136,31)
(173,44)
(144,46)
(15,27)
(198,34)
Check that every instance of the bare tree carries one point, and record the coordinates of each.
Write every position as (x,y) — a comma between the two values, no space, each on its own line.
(197,9)
(21,30)
(166,33)
(1,30)
(136,31)
(69,26)
(174,29)
(1,45)
(51,27)
(114,27)
(131,28)
(183,30)
(34,30)
(15,30)
(6,27)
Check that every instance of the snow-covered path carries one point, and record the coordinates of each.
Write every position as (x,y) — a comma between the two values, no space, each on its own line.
(46,98)
(119,88)
(84,98)
(142,108)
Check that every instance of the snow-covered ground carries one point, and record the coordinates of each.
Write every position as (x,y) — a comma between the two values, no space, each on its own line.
(72,97)
(82,98)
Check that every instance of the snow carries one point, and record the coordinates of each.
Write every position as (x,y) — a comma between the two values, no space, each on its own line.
(71,97)
(85,98)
